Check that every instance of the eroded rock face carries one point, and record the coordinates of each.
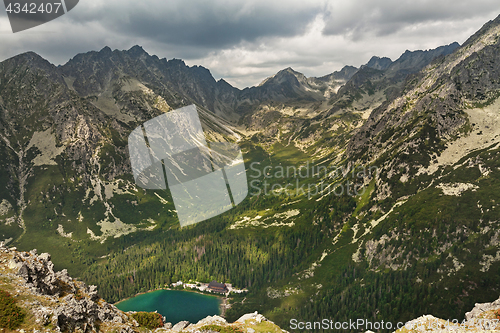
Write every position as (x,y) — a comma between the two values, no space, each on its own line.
(38,272)
(482,318)
(252,316)
(77,307)
(482,308)
(180,326)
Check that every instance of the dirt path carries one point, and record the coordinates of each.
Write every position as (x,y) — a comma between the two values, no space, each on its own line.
(223,307)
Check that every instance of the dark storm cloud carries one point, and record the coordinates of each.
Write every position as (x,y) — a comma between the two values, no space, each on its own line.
(203,24)
(361,18)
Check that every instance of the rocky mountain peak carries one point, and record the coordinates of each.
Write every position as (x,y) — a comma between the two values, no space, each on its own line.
(30,59)
(54,298)
(287,75)
(176,62)
(346,72)
(225,85)
(489,28)
(106,50)
(378,63)
(290,70)
(291,73)
(137,51)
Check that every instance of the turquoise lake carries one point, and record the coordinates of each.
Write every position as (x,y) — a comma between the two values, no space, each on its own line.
(175,305)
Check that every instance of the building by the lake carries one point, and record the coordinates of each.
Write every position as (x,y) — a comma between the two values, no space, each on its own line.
(217,287)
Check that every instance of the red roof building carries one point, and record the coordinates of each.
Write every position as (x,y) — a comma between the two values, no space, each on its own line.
(217,287)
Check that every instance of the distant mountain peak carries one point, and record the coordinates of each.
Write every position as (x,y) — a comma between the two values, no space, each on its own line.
(105,50)
(224,82)
(344,74)
(379,63)
(137,50)
(485,30)
(178,62)
(413,61)
(31,59)
(290,70)
(286,72)
(441,49)
(284,75)
(347,68)
(28,55)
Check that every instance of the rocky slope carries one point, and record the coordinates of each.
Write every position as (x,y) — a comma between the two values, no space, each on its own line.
(428,222)
(381,79)
(439,105)
(54,301)
(64,139)
(432,207)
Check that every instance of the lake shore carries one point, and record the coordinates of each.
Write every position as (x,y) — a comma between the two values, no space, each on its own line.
(174,304)
(222,306)
(142,293)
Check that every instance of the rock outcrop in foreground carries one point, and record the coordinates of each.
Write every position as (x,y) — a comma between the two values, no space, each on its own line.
(484,317)
(55,302)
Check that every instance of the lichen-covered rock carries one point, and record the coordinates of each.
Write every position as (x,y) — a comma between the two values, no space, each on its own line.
(258,318)
(480,309)
(480,319)
(38,272)
(180,326)
(68,305)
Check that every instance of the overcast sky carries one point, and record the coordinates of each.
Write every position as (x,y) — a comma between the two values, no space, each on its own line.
(246,41)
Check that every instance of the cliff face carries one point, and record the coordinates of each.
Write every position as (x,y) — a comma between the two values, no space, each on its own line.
(55,302)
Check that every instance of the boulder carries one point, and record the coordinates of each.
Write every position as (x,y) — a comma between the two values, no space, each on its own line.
(479,308)
(180,326)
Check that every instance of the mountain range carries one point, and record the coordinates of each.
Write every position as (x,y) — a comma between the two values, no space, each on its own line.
(419,136)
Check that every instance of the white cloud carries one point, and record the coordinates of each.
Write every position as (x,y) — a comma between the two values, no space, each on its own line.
(316,54)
